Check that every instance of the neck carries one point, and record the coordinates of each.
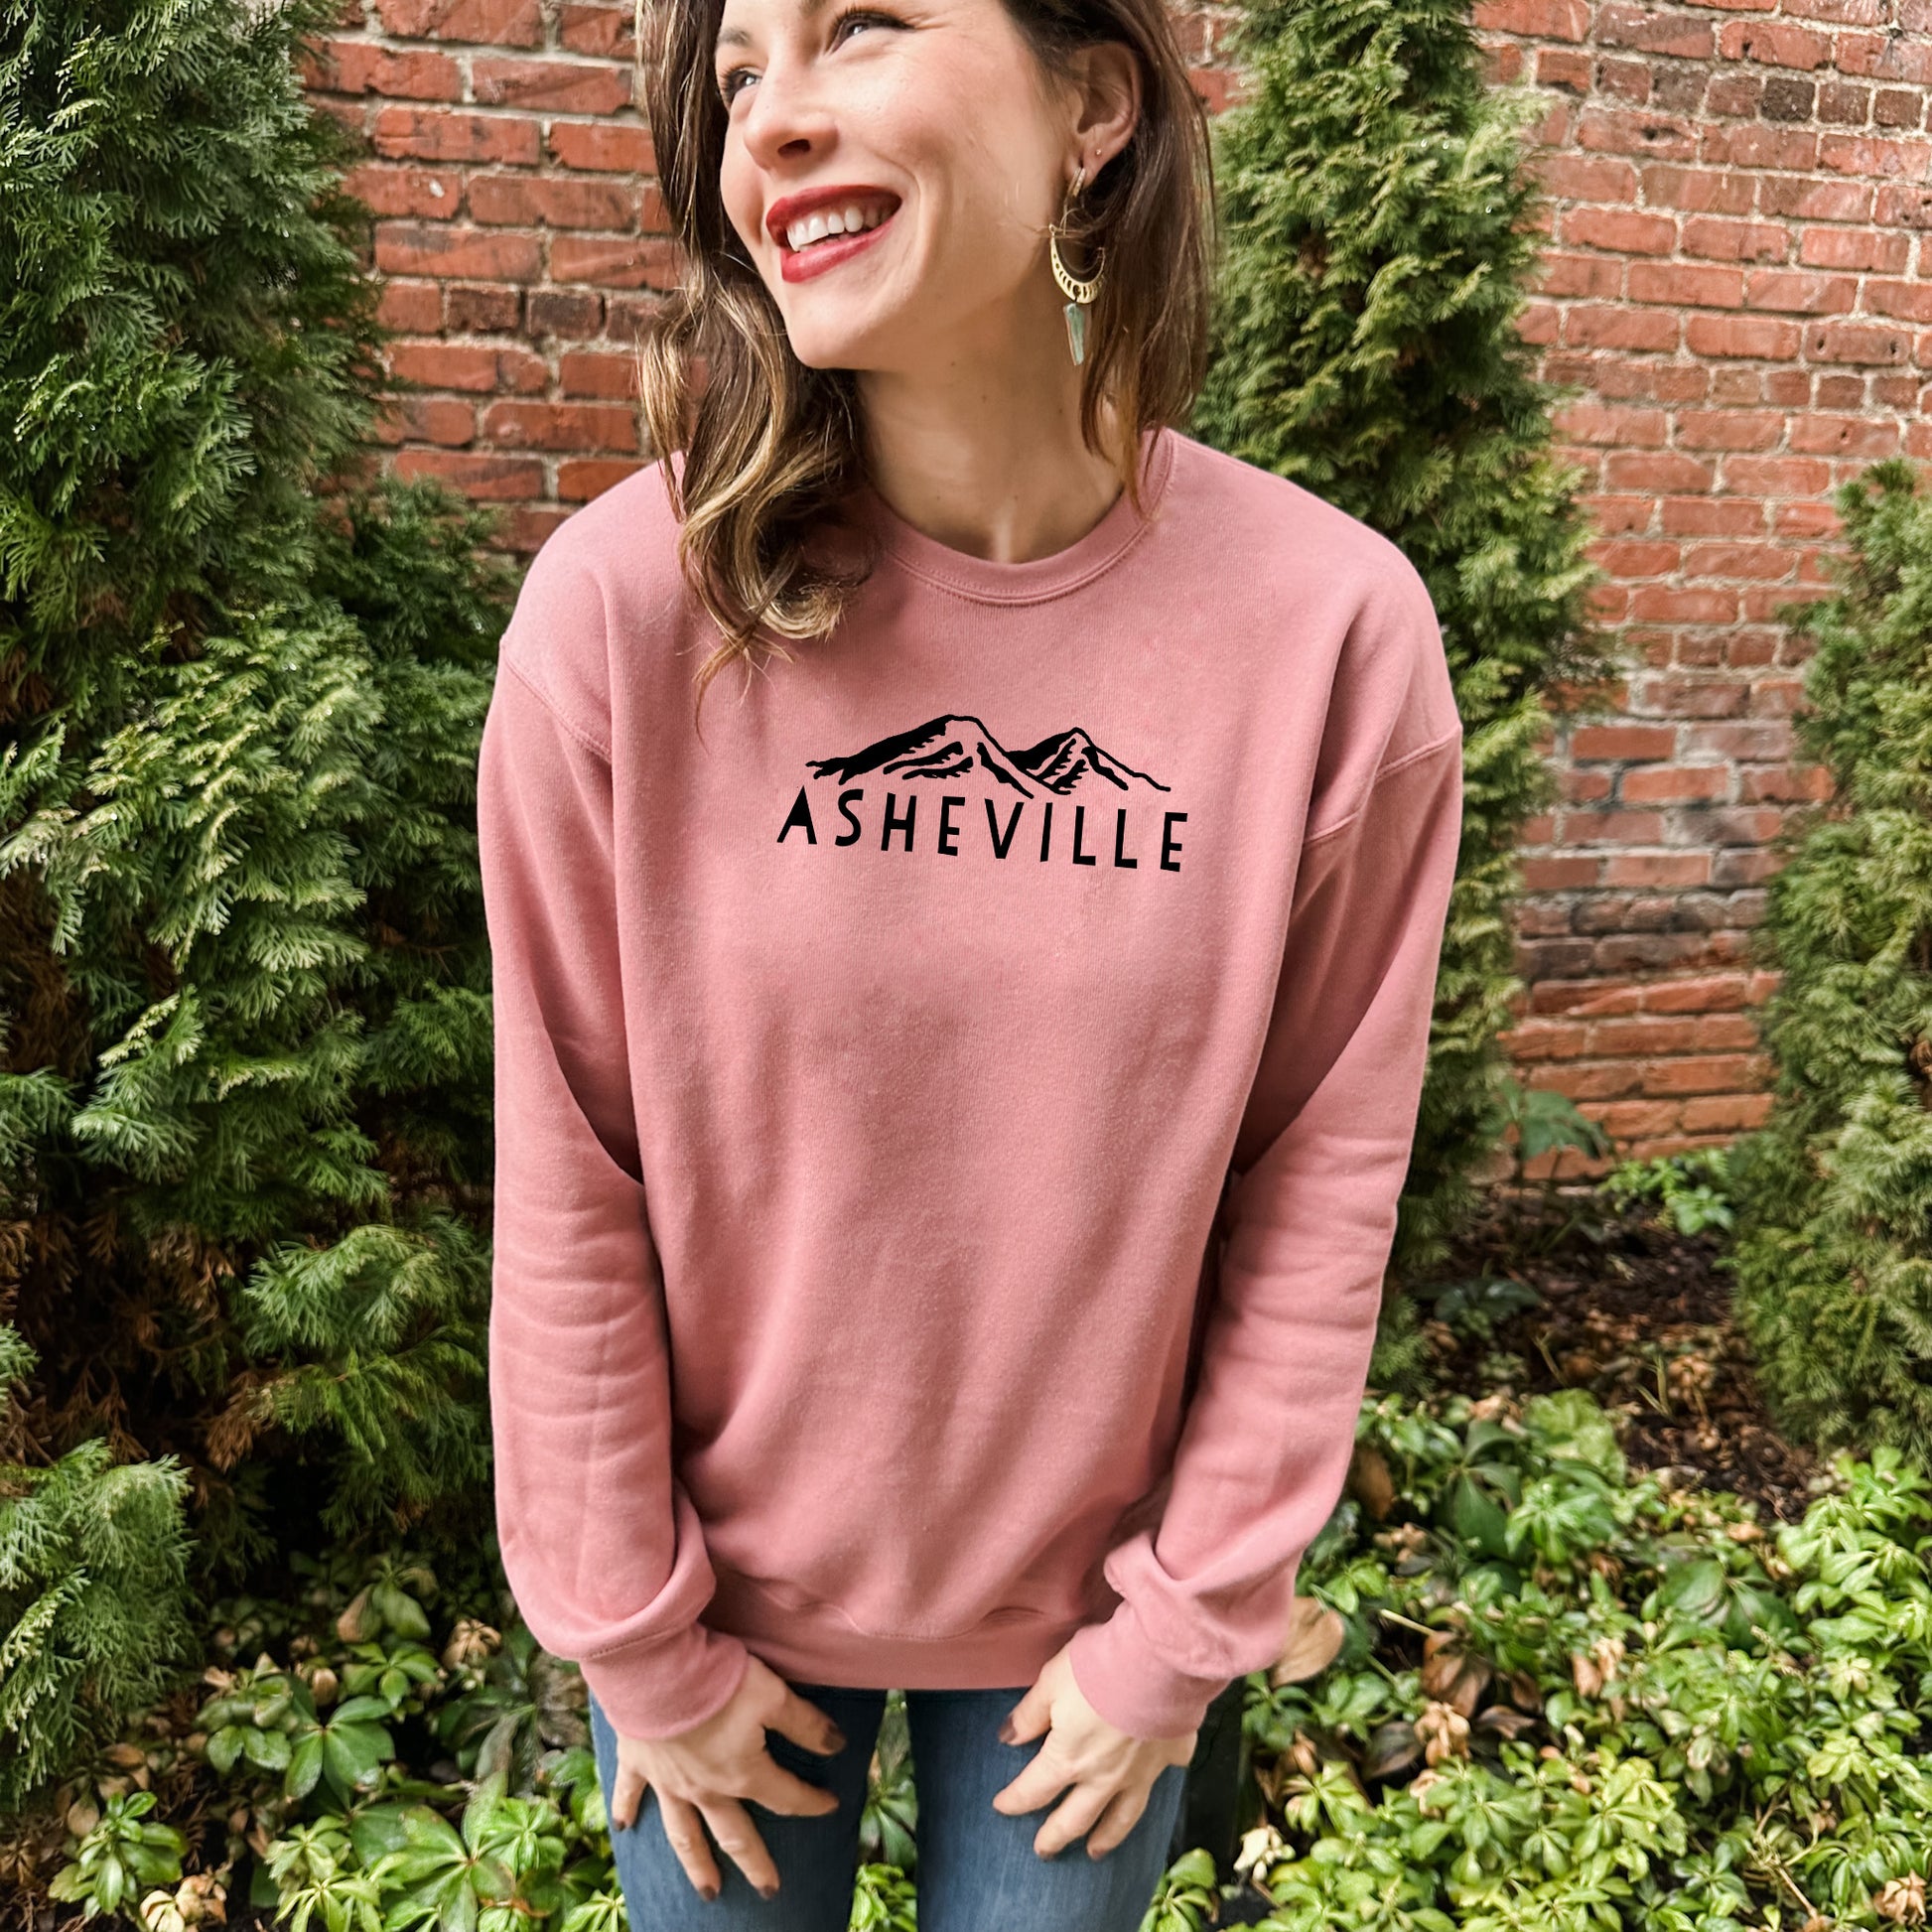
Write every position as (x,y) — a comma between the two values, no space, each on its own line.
(986,456)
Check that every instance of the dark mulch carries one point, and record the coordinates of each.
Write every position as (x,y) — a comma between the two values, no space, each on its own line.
(1639,1314)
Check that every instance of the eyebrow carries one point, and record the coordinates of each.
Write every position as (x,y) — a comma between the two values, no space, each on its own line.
(738,37)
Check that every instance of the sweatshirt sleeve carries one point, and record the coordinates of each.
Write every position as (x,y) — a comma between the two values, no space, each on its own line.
(1320,1162)
(601,1546)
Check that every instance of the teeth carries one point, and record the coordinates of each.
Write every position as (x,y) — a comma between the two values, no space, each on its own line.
(832,221)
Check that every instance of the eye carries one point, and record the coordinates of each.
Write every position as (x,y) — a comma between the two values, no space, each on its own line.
(728,88)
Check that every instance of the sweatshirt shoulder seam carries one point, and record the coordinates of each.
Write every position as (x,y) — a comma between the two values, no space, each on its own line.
(543,697)
(1434,745)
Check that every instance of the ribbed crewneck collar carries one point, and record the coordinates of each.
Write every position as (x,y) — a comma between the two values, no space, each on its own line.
(1040,577)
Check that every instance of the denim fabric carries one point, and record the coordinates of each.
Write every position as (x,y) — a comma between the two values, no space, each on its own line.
(977,1872)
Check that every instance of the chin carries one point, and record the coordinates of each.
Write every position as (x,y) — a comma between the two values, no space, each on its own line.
(837,349)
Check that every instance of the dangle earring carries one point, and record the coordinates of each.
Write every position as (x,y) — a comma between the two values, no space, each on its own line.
(1079,295)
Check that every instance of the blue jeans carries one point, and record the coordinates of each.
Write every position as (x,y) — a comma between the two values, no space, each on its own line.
(977,1872)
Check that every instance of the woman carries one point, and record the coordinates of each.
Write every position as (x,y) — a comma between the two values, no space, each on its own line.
(952,1096)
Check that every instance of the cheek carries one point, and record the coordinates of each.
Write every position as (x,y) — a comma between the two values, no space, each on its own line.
(737,189)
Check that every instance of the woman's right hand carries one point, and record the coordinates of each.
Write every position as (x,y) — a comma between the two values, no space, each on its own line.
(702,1774)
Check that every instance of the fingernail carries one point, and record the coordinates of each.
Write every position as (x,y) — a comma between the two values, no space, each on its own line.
(838,1738)
(706,1891)
(1008,1735)
(767,1891)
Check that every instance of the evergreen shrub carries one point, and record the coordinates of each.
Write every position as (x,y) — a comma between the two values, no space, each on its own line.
(244,1020)
(1379,218)
(1834,1261)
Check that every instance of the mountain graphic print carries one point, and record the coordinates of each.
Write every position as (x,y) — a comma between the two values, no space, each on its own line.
(1067,767)
(951,747)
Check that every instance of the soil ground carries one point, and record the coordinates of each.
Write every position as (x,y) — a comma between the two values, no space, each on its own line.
(1641,1314)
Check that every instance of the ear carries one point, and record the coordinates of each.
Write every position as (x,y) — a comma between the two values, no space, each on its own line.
(1107,101)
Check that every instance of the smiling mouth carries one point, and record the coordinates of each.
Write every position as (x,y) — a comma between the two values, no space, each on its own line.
(834,222)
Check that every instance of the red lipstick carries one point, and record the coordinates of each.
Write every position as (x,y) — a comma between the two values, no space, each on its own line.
(800,265)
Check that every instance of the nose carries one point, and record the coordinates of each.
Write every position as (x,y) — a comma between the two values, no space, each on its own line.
(786,119)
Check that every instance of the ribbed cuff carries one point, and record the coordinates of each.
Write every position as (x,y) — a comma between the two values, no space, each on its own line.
(659,1689)
(1122,1677)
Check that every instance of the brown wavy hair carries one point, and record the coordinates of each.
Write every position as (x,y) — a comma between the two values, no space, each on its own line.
(770,446)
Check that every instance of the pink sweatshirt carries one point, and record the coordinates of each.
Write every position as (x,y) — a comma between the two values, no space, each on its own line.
(949,1121)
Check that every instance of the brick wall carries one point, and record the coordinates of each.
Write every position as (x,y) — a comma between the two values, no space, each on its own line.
(1739,275)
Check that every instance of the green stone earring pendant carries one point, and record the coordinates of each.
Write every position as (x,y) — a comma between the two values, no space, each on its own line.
(1079,295)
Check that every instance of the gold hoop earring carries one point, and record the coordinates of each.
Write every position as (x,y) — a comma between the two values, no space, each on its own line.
(1079,295)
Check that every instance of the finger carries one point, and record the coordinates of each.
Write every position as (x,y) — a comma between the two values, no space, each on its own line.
(1029,1717)
(627,1794)
(800,1719)
(1114,1824)
(1083,1805)
(738,1837)
(777,1789)
(1046,1776)
(685,1831)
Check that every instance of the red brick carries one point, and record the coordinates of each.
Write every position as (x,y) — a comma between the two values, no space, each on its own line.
(1594,421)
(1909,301)
(470,255)
(532,200)
(1801,291)
(1557,273)
(1701,191)
(1815,201)
(1622,742)
(1655,34)
(1859,342)
(1663,604)
(1719,239)
(1902,203)
(1635,559)
(441,134)
(494,23)
(1886,56)
(1783,476)
(568,86)
(577,426)
(600,147)
(584,372)
(1621,131)
(1704,1074)
(1855,249)
(1728,428)
(1753,144)
(1711,516)
(1849,154)
(624,262)
(1566,68)
(486,477)
(607,30)
(1774,43)
(1657,472)
(1603,326)
(1672,868)
(1627,231)
(1769,562)
(360,67)
(1844,435)
(468,367)
(405,191)
(1557,875)
(1684,285)
(1566,20)
(1754,336)
(412,307)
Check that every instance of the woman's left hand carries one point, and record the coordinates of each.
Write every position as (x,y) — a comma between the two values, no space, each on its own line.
(1111,1771)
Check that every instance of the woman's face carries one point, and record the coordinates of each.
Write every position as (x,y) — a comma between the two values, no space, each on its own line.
(931,121)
